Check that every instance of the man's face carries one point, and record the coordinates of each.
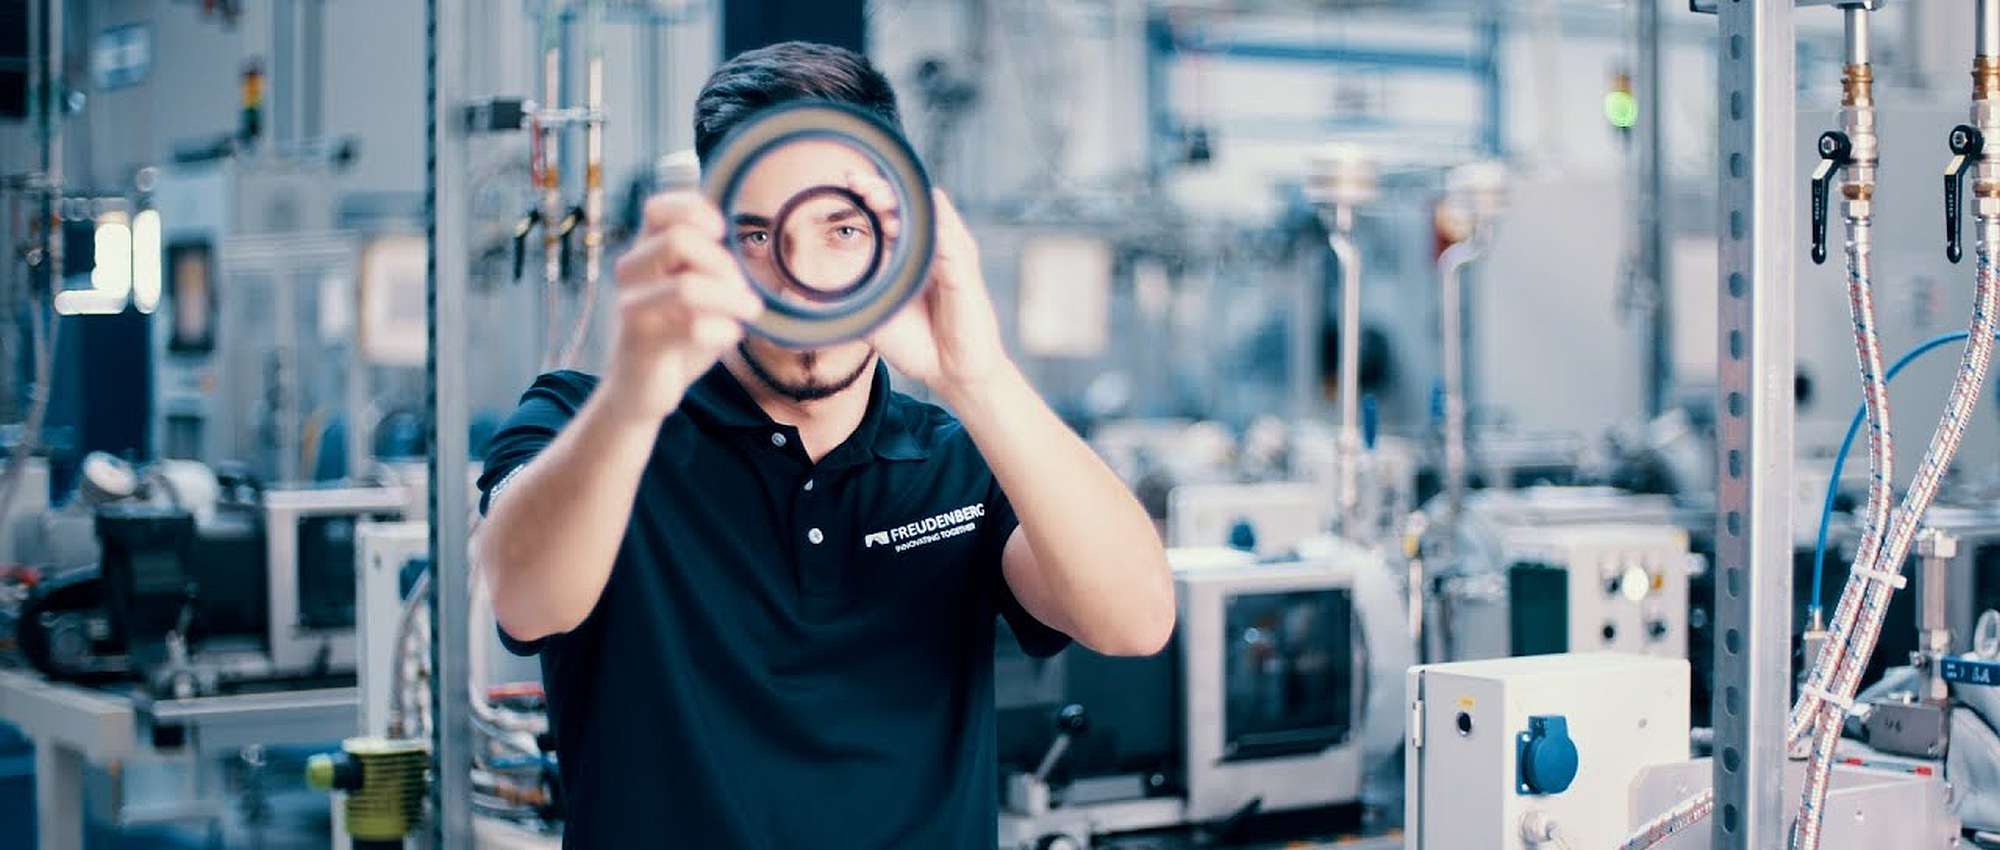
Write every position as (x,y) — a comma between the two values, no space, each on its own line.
(825,246)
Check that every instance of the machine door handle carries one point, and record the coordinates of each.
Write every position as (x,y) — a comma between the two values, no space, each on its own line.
(1835,151)
(1967,147)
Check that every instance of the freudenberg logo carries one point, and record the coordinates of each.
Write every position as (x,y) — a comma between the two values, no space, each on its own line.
(929,529)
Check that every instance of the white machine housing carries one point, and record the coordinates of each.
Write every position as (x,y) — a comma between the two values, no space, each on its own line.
(1462,772)
(1219,783)
(296,645)
(1281,514)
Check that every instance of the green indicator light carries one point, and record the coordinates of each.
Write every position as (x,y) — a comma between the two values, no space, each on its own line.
(1621,109)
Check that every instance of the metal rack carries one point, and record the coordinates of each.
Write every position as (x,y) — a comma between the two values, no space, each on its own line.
(1756,76)
(448,81)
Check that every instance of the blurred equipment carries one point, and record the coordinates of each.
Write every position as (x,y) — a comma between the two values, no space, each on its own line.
(1342,178)
(384,780)
(1256,710)
(205,589)
(1537,753)
(1474,197)
(1556,570)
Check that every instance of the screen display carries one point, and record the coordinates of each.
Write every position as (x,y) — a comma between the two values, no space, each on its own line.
(1288,669)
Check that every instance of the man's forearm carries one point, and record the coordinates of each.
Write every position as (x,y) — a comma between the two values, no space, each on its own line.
(1102,571)
(549,540)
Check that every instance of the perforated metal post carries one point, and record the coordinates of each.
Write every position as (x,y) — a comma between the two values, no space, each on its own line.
(446,200)
(1754,421)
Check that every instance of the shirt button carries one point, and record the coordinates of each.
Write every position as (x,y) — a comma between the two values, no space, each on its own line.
(815,536)
(778,440)
(809,485)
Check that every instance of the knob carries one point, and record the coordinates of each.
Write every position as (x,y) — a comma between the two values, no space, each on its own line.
(1835,151)
(1072,720)
(1657,629)
(1967,147)
(1546,755)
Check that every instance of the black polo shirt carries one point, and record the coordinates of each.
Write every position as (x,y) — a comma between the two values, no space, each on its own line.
(787,654)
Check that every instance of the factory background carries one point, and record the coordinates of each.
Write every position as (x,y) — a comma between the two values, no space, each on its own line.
(244,224)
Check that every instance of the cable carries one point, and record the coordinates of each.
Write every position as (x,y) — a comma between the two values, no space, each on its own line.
(1847,445)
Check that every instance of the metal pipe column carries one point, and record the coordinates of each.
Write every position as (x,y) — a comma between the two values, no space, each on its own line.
(1651,208)
(1756,81)
(447,201)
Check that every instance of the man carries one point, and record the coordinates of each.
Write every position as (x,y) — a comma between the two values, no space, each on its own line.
(763,584)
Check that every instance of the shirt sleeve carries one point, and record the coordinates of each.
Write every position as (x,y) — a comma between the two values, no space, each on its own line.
(549,404)
(1037,639)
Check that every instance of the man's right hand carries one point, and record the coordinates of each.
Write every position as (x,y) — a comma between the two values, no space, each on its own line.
(682,302)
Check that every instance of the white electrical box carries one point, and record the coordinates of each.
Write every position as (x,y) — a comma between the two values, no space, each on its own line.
(1516,753)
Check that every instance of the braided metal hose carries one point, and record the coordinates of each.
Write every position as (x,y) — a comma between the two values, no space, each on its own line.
(1881,457)
(1965,391)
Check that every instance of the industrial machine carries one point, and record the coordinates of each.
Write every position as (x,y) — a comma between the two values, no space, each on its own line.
(1537,753)
(199,595)
(1256,709)
(1553,570)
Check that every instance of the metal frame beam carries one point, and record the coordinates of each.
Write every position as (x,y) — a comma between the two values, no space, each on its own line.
(448,77)
(1757,67)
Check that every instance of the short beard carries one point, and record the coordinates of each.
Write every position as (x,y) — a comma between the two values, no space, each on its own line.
(811,390)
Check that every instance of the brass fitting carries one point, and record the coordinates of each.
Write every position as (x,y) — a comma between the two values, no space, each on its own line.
(1985,77)
(1857,85)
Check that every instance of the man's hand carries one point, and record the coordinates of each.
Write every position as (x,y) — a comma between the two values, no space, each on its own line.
(948,336)
(682,302)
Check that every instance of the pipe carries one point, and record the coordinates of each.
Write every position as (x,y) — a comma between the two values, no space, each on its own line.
(549,179)
(1987,37)
(1349,259)
(1857,193)
(1964,399)
(593,179)
(1944,444)
(54,96)
(1451,273)
(1857,35)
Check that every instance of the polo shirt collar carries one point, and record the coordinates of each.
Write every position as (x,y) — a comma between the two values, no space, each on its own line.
(886,430)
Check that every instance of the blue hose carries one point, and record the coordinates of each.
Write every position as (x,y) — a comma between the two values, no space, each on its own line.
(1840,461)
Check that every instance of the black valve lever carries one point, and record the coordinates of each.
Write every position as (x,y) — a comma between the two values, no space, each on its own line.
(1967,147)
(1835,152)
(570,222)
(521,230)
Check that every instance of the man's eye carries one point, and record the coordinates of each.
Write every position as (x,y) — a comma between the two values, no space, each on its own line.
(848,231)
(753,239)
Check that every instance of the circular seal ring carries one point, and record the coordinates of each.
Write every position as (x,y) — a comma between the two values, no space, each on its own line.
(784,266)
(897,275)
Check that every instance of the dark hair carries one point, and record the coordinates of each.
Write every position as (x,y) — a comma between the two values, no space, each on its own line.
(793,70)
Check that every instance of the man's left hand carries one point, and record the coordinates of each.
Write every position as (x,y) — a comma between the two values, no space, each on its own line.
(948,336)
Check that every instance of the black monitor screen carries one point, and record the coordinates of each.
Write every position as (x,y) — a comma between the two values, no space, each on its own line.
(1288,668)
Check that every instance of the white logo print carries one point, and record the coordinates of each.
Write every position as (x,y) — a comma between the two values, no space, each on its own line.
(929,529)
